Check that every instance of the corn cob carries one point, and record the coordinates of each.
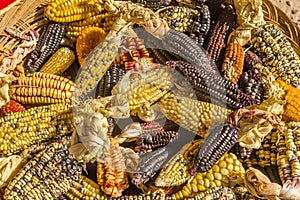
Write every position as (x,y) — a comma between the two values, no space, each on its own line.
(251,59)
(70,10)
(85,188)
(48,175)
(153,4)
(179,18)
(151,196)
(148,166)
(217,193)
(220,90)
(111,175)
(104,21)
(59,62)
(201,25)
(193,115)
(47,45)
(218,36)
(176,171)
(219,175)
(135,56)
(190,3)
(185,47)
(244,155)
(113,75)
(87,41)
(220,139)
(291,109)
(12,107)
(243,193)
(251,83)
(98,62)
(40,88)
(23,129)
(277,54)
(233,63)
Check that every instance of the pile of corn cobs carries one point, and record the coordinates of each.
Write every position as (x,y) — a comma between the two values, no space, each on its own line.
(182,109)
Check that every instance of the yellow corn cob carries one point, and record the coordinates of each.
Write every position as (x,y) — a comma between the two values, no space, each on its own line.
(102,20)
(233,63)
(70,10)
(23,129)
(219,175)
(59,62)
(87,41)
(176,172)
(42,88)
(193,115)
(85,188)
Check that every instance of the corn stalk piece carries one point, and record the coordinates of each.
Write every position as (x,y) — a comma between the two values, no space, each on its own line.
(48,175)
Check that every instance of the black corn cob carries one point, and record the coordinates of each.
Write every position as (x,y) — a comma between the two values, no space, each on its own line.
(185,47)
(220,139)
(251,84)
(47,176)
(216,42)
(221,91)
(47,45)
(110,79)
(148,166)
(156,139)
(201,25)
(250,60)
(153,4)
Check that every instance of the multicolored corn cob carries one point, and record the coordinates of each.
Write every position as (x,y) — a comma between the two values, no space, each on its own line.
(212,88)
(152,196)
(12,107)
(85,188)
(220,193)
(219,140)
(153,4)
(233,63)
(251,59)
(48,175)
(59,62)
(277,53)
(41,88)
(216,43)
(23,129)
(47,45)
(87,41)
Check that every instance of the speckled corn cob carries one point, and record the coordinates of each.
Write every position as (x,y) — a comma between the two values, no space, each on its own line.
(153,4)
(47,45)
(251,59)
(211,88)
(87,41)
(233,63)
(22,129)
(42,88)
(148,166)
(179,18)
(191,3)
(219,140)
(47,176)
(59,62)
(277,54)
(243,193)
(218,36)
(217,193)
(266,154)
(135,56)
(113,75)
(244,154)
(193,115)
(85,188)
(102,20)
(154,196)
(251,83)
(201,25)
(176,171)
(12,107)
(70,10)
(218,175)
